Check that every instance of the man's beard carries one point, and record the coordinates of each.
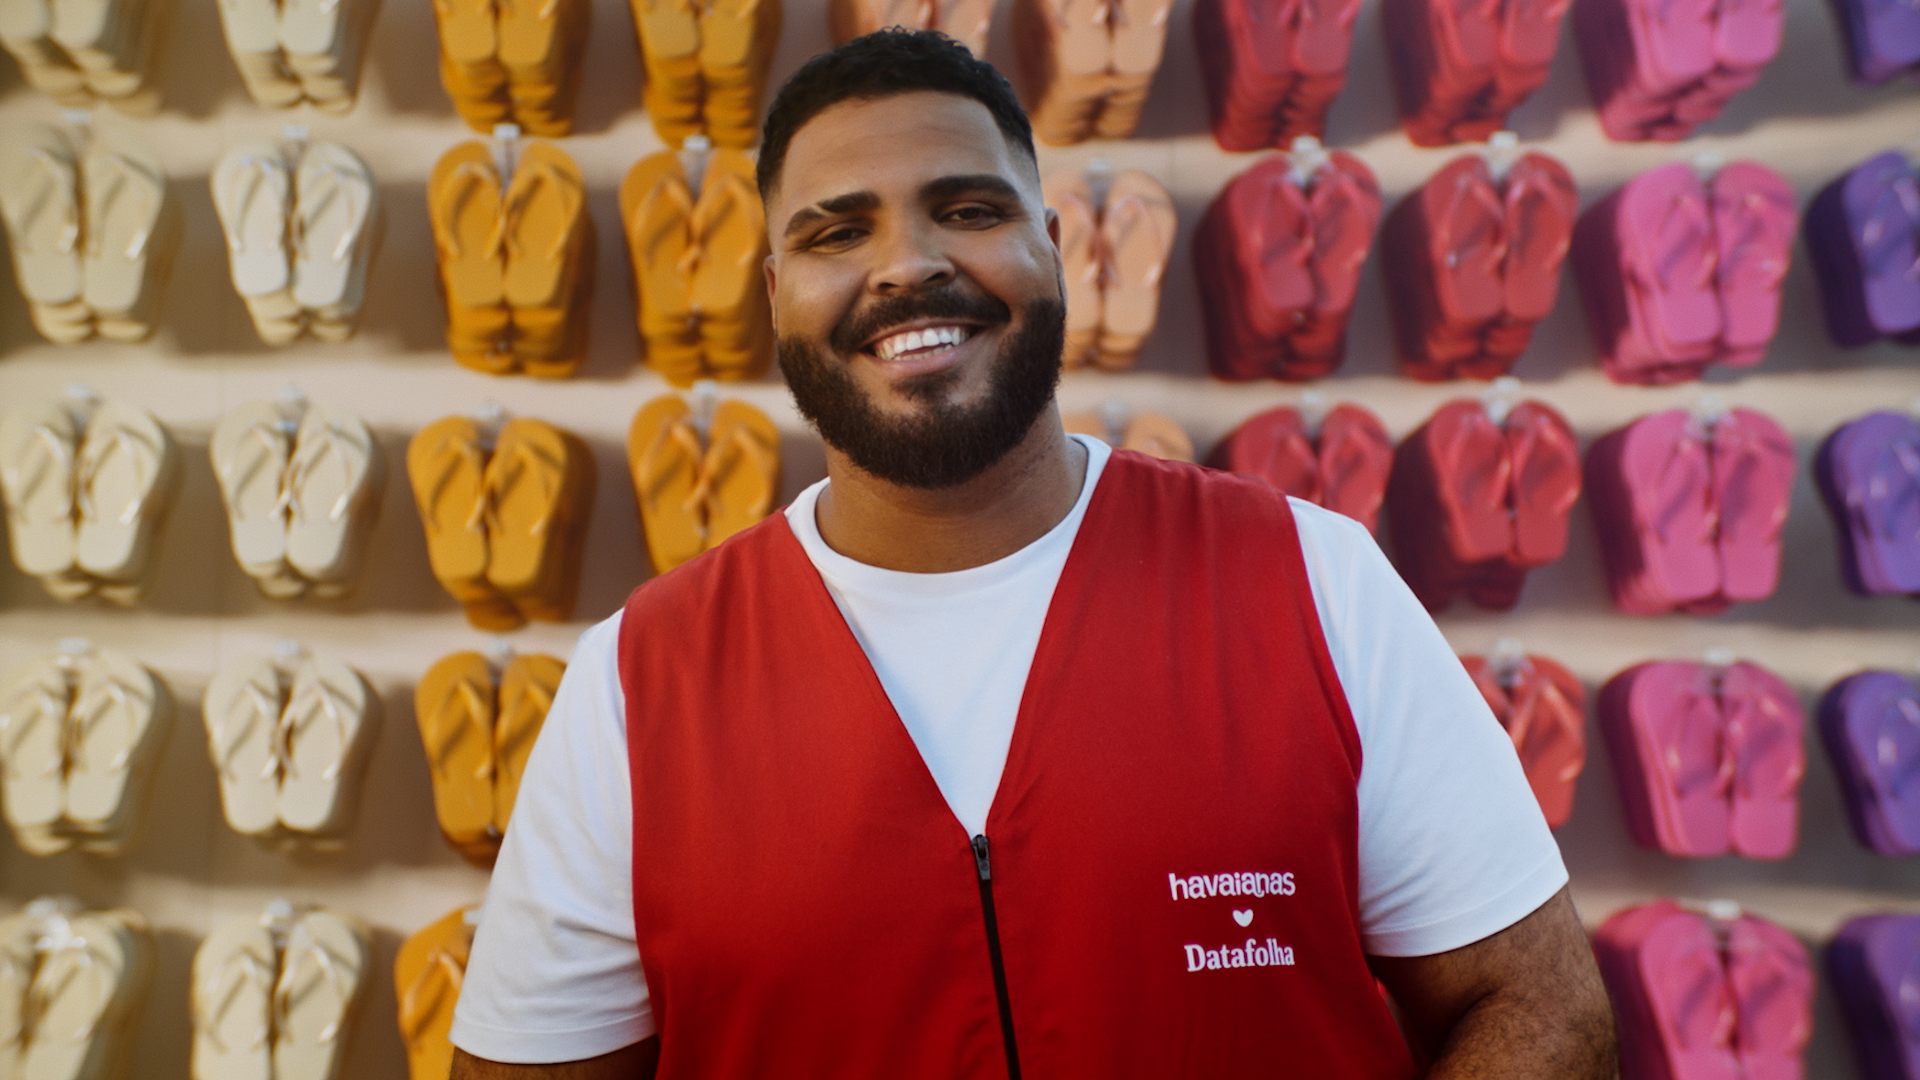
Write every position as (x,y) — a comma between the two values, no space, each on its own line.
(941,445)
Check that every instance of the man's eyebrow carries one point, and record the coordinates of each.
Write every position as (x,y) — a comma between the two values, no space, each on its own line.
(947,187)
(851,203)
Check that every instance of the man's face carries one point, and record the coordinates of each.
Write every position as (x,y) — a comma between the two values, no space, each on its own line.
(916,286)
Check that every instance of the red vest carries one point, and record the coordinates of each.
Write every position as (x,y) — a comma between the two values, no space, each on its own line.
(1173,861)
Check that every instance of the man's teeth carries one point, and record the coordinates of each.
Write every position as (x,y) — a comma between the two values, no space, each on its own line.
(914,340)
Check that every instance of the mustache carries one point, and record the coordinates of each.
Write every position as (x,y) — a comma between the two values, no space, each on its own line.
(943,303)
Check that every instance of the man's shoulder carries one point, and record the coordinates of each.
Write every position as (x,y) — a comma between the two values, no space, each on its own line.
(701,580)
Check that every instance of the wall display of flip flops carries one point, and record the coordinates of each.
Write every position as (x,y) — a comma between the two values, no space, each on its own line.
(354,358)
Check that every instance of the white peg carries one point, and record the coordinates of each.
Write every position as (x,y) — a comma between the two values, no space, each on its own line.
(1498,399)
(1100,179)
(1708,163)
(695,152)
(506,149)
(1719,657)
(702,400)
(1114,415)
(1307,157)
(1503,149)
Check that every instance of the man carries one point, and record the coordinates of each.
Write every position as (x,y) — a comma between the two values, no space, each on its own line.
(1000,753)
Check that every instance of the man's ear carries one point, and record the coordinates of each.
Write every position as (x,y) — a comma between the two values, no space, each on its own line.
(1053,227)
(767,266)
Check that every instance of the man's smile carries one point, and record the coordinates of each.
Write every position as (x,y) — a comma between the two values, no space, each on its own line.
(923,345)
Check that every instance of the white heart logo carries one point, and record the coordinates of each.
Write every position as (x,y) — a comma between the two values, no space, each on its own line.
(1244,916)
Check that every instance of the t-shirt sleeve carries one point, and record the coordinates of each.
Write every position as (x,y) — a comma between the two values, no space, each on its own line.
(1453,847)
(555,974)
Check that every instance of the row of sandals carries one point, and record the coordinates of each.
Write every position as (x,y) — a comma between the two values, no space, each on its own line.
(1680,269)
(1690,503)
(273,996)
(1700,990)
(290,736)
(1086,65)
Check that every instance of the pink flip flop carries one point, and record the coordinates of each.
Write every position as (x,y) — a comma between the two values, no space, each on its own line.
(1765,737)
(1691,998)
(1665,467)
(1666,243)
(1772,982)
(1680,733)
(1753,226)
(1753,472)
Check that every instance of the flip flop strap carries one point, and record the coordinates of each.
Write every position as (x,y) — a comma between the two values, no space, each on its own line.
(123,171)
(305,462)
(257,172)
(261,710)
(679,435)
(467,180)
(465,689)
(336,187)
(719,199)
(90,709)
(50,706)
(738,447)
(330,975)
(41,995)
(416,1013)
(1900,769)
(60,179)
(1130,217)
(56,463)
(300,715)
(232,477)
(94,458)
(519,195)
(502,473)
(1685,484)
(207,1017)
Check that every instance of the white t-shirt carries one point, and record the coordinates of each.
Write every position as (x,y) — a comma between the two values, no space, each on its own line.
(555,971)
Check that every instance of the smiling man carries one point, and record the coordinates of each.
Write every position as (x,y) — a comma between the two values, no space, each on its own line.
(1000,753)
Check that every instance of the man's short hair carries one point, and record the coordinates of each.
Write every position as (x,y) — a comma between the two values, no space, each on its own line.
(880,65)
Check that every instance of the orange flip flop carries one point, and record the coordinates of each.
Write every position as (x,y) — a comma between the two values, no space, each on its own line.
(455,706)
(527,687)
(1071,197)
(656,206)
(727,289)
(740,474)
(447,468)
(666,459)
(1157,436)
(1137,231)
(427,975)
(464,203)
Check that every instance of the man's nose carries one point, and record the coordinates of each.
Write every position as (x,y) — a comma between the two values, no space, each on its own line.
(909,259)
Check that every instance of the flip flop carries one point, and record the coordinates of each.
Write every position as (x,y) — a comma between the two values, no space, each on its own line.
(455,705)
(232,1002)
(527,686)
(127,475)
(335,479)
(428,973)
(322,982)
(250,449)
(36,697)
(38,447)
(740,471)
(324,737)
(1765,739)
(242,710)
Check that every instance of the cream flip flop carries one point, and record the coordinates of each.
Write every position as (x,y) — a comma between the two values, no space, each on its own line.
(326,734)
(336,227)
(253,196)
(129,471)
(115,731)
(322,980)
(232,1001)
(40,202)
(34,700)
(333,488)
(37,451)
(130,224)
(93,975)
(242,712)
(250,449)
(19,957)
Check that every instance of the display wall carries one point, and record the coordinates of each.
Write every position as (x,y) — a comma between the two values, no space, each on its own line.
(190,871)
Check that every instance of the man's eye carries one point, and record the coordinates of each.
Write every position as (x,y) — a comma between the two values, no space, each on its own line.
(973,215)
(835,237)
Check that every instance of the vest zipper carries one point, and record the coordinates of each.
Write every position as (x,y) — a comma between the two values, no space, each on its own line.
(985,867)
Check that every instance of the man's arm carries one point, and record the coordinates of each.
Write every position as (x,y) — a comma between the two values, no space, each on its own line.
(636,1062)
(1526,1002)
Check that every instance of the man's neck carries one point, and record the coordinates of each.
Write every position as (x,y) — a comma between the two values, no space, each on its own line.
(1012,504)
